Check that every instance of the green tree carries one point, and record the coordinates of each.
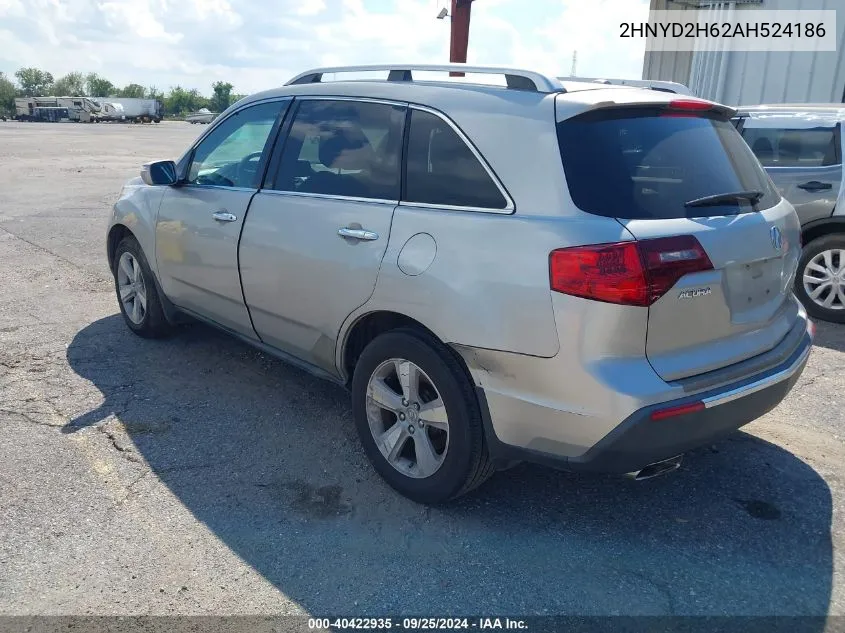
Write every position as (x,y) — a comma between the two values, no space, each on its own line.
(134,91)
(154,93)
(221,97)
(196,100)
(34,82)
(71,85)
(99,86)
(7,96)
(180,101)
(174,102)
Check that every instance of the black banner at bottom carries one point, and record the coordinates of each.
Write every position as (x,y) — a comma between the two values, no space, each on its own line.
(533,624)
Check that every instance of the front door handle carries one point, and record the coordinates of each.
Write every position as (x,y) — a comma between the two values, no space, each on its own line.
(815,185)
(224,216)
(358,234)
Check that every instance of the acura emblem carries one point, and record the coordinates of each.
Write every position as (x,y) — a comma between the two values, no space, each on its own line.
(777,238)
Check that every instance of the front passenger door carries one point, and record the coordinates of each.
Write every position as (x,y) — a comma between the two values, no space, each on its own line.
(200,219)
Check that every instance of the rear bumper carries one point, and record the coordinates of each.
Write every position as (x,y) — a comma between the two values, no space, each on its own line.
(640,440)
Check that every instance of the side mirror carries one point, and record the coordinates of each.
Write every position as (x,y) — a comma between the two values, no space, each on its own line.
(162,172)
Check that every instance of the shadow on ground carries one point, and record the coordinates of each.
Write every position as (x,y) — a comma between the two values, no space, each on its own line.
(830,335)
(267,458)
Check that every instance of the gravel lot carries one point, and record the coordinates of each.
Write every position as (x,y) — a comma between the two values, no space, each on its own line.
(198,476)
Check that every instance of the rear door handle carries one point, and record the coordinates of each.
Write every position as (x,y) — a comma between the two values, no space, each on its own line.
(358,234)
(224,216)
(815,185)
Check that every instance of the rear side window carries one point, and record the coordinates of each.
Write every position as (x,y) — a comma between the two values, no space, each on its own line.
(633,163)
(343,148)
(783,147)
(443,170)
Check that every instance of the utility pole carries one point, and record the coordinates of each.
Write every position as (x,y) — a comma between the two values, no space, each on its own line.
(574,69)
(459,42)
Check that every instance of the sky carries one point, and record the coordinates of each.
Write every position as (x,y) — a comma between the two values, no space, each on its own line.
(260,44)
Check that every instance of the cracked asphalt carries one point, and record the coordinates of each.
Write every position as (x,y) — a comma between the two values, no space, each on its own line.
(196,475)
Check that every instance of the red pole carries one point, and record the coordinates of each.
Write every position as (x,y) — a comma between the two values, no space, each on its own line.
(459,42)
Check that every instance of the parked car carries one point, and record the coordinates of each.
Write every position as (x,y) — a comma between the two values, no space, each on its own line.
(203,115)
(651,84)
(496,273)
(801,148)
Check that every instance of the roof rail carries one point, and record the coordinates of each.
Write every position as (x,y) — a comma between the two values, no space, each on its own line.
(516,79)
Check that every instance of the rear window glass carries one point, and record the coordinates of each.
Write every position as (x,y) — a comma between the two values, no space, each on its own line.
(633,163)
(782,147)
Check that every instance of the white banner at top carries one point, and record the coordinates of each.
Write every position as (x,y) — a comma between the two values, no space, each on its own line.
(730,29)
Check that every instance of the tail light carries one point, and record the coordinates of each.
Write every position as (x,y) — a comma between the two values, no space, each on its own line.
(687,107)
(627,273)
(690,104)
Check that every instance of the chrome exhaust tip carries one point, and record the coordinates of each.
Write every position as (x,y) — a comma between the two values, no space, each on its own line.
(656,469)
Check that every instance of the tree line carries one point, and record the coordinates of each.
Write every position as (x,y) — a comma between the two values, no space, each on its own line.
(34,82)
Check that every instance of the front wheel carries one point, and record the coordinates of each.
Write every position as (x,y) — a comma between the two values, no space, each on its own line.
(137,294)
(820,282)
(418,417)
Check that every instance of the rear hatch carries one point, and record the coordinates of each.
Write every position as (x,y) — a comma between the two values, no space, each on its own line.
(717,245)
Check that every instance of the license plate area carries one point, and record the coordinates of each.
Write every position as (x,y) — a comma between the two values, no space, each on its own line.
(752,285)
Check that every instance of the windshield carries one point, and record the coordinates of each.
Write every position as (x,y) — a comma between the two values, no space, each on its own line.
(642,163)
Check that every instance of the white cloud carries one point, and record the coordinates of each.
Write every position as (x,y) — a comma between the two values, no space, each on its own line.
(137,17)
(310,7)
(257,44)
(12,7)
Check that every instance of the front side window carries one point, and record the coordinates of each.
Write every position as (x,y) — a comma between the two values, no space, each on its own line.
(229,156)
(784,147)
(443,170)
(343,148)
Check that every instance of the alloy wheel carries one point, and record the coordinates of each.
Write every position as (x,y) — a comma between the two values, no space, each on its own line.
(407,418)
(131,288)
(824,279)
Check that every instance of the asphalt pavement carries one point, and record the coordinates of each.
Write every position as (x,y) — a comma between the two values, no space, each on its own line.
(196,475)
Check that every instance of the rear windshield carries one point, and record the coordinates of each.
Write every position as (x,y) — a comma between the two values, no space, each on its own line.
(633,163)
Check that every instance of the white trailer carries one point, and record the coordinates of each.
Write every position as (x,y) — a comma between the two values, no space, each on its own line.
(140,110)
(112,112)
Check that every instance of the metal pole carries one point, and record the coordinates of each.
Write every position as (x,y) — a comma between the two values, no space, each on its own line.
(459,42)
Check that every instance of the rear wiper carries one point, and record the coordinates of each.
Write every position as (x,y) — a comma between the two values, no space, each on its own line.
(720,198)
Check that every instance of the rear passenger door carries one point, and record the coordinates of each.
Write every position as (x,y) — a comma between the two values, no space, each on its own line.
(312,245)
(803,159)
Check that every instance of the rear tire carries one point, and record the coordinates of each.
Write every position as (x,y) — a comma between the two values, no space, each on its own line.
(137,292)
(442,414)
(821,278)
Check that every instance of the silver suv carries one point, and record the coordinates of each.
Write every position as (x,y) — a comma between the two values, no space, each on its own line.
(801,148)
(581,275)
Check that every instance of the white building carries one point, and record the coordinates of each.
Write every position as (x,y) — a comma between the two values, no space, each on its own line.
(748,78)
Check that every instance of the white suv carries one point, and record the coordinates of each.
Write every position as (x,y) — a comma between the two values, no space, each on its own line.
(588,276)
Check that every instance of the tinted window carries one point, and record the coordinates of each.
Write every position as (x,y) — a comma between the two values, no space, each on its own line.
(634,163)
(443,170)
(780,147)
(343,148)
(230,154)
